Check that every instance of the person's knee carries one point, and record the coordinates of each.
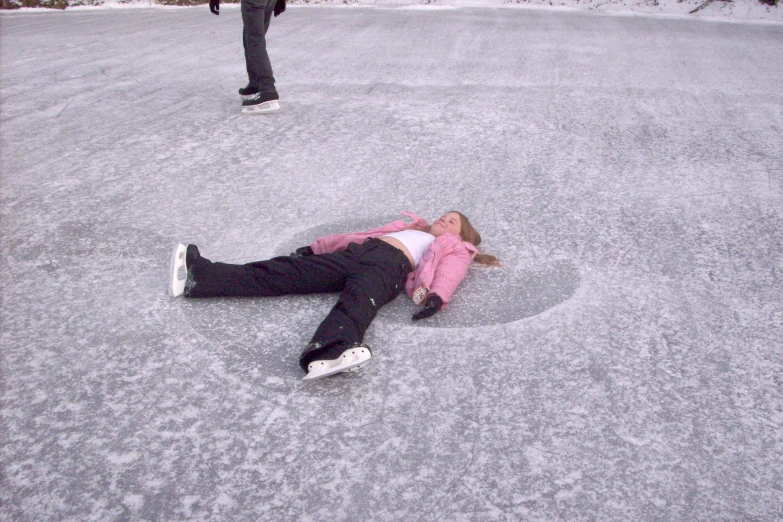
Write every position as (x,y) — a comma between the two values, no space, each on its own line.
(254,32)
(359,306)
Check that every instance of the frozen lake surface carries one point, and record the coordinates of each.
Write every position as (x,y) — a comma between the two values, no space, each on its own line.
(625,363)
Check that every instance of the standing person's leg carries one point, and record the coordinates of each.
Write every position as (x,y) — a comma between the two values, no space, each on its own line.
(378,279)
(277,276)
(256,15)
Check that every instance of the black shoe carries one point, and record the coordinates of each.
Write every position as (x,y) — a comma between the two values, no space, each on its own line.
(261,103)
(248,91)
(261,97)
(192,254)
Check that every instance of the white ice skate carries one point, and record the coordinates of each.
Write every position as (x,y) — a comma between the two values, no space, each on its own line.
(179,271)
(350,361)
(261,108)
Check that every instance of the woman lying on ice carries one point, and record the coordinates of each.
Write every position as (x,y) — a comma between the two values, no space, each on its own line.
(368,268)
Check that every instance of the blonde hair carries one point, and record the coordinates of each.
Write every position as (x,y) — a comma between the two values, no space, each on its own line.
(471,235)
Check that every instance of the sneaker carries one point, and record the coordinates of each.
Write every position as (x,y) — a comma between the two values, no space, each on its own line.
(260,103)
(248,92)
(182,259)
(349,361)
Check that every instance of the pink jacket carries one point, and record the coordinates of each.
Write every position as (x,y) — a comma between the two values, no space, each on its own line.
(442,268)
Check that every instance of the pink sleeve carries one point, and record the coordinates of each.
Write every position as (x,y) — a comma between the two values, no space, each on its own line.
(329,244)
(450,272)
(443,267)
(337,242)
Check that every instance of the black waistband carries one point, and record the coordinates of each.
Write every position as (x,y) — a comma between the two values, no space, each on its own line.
(405,263)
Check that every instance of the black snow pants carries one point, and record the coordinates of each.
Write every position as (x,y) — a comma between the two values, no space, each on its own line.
(368,276)
(256,15)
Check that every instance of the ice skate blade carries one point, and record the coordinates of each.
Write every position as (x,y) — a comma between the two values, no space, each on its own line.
(178,271)
(350,361)
(357,368)
(261,108)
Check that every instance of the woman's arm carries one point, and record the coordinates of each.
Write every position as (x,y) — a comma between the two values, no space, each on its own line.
(450,272)
(337,242)
(442,268)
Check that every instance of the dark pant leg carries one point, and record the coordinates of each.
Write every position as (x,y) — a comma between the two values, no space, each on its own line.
(377,280)
(256,15)
(277,276)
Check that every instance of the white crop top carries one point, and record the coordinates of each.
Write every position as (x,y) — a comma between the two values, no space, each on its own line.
(416,242)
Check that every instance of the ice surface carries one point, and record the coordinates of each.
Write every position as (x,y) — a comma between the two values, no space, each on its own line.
(624,364)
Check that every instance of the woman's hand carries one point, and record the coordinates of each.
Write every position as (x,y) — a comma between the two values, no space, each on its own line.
(431,306)
(303,252)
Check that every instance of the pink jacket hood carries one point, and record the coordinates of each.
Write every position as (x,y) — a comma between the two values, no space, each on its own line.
(442,268)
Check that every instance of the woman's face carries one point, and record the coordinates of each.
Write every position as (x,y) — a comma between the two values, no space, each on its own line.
(447,223)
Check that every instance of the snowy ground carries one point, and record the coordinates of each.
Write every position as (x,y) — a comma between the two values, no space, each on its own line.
(626,363)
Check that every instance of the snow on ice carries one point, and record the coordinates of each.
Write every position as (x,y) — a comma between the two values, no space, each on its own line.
(624,363)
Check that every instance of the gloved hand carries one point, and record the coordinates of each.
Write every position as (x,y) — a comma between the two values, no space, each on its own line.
(303,252)
(279,7)
(431,306)
(214,6)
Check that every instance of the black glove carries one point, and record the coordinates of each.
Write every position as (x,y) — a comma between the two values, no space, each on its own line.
(279,7)
(214,6)
(431,305)
(303,252)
